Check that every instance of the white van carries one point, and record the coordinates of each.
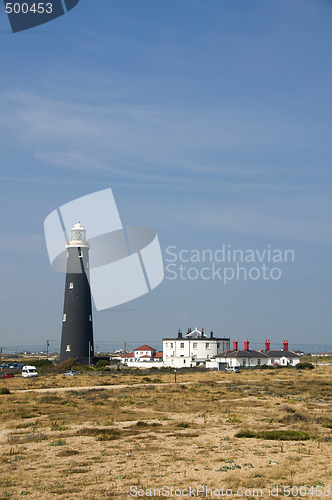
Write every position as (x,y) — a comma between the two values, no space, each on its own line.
(29,371)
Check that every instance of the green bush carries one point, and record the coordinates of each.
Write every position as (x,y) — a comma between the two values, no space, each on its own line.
(4,390)
(101,364)
(279,435)
(43,363)
(246,433)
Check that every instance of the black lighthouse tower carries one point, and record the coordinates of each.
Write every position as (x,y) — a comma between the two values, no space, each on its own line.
(77,331)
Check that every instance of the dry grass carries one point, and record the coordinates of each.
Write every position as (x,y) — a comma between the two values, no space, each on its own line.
(146,431)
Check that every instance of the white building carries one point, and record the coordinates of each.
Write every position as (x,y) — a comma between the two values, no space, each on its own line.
(193,349)
(283,357)
(247,358)
(143,357)
(241,358)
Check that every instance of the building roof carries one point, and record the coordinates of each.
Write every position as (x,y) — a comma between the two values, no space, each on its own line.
(240,354)
(144,348)
(281,353)
(128,355)
(196,334)
(145,356)
(158,355)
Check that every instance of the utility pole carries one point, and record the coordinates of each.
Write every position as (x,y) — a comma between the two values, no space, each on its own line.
(47,344)
(316,360)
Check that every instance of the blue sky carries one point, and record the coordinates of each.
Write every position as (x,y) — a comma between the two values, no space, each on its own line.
(211,122)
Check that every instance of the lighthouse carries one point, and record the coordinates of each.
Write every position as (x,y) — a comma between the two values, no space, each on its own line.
(77,330)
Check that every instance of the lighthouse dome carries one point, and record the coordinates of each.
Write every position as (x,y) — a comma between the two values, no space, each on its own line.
(78,235)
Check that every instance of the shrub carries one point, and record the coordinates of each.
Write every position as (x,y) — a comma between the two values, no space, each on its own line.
(285,435)
(66,365)
(101,364)
(304,366)
(183,425)
(41,363)
(55,426)
(4,390)
(58,442)
(294,417)
(280,435)
(101,434)
(246,433)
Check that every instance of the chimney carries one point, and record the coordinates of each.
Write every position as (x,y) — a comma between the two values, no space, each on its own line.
(211,334)
(179,334)
(285,345)
(246,345)
(267,345)
(235,345)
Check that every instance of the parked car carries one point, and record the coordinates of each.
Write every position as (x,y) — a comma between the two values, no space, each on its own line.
(7,375)
(29,371)
(233,369)
(71,373)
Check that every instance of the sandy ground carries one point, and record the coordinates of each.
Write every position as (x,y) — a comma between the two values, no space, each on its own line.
(96,440)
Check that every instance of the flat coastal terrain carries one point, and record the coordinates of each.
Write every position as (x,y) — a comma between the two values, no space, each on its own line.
(254,434)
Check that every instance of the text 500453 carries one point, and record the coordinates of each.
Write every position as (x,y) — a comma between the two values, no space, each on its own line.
(25,8)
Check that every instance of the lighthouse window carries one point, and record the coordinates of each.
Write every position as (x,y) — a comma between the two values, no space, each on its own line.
(90,317)
(68,348)
(71,286)
(80,255)
(64,317)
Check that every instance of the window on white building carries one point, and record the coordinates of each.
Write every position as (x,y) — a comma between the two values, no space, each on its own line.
(208,356)
(244,362)
(218,345)
(182,345)
(207,345)
(195,345)
(171,345)
(258,361)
